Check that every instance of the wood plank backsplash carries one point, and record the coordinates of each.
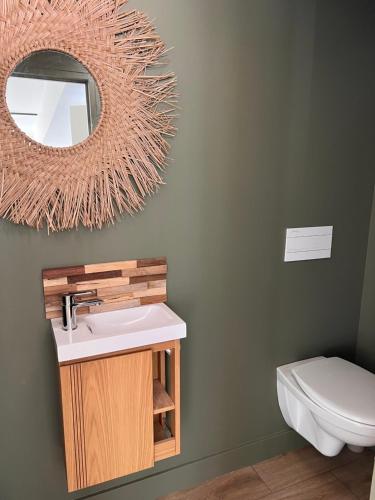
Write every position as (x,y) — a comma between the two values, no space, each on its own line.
(120,285)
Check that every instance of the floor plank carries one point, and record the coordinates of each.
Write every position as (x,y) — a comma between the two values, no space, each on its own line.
(322,487)
(357,476)
(299,475)
(288,469)
(237,485)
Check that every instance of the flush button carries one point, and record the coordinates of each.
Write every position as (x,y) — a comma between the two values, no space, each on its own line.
(308,243)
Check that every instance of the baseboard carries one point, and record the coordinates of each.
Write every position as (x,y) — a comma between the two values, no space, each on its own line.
(193,473)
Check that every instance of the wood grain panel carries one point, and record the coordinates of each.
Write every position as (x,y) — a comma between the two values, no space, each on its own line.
(145,279)
(111,266)
(66,395)
(156,299)
(122,289)
(97,284)
(94,276)
(145,271)
(62,272)
(165,449)
(78,426)
(58,290)
(152,262)
(107,408)
(135,294)
(115,306)
(175,394)
(119,284)
(118,416)
(156,284)
(56,282)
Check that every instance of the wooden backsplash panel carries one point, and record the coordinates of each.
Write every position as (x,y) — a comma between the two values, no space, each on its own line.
(120,285)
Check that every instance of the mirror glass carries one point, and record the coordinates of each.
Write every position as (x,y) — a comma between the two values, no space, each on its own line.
(53,99)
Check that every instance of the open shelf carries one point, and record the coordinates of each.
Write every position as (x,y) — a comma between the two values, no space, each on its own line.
(162,400)
(166,400)
(161,432)
(165,443)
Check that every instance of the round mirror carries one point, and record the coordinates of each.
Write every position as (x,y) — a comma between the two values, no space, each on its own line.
(53,99)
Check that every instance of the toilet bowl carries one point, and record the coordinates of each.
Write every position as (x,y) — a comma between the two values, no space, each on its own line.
(330,402)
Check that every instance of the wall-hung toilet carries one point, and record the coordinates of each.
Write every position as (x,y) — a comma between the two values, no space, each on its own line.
(330,402)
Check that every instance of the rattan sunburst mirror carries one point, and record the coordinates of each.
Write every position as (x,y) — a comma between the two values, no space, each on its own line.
(120,113)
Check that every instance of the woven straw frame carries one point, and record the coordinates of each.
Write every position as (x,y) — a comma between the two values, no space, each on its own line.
(120,163)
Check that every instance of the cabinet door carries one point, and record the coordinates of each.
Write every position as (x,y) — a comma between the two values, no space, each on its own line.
(108,409)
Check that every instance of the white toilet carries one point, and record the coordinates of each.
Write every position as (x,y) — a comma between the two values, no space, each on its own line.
(330,402)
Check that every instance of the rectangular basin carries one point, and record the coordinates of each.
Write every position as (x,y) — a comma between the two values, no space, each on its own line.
(108,332)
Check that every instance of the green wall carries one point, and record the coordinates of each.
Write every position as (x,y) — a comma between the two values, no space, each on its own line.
(275,130)
(366,334)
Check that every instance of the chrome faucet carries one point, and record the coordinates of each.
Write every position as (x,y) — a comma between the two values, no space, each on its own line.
(70,306)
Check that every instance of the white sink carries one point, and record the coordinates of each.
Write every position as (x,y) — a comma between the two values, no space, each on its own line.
(113,331)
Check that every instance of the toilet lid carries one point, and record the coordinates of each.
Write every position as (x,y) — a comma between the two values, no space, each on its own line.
(339,386)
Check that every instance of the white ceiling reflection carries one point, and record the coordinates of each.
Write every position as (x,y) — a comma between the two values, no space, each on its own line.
(53,113)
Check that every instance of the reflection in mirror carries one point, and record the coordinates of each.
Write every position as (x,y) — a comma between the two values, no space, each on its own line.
(53,99)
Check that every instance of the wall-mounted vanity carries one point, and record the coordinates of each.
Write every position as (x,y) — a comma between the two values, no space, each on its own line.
(119,369)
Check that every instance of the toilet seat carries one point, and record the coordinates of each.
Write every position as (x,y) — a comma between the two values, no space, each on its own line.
(340,387)
(313,417)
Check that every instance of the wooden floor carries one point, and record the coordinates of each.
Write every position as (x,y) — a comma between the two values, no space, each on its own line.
(299,475)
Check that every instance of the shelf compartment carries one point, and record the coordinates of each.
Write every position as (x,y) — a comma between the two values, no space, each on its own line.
(165,444)
(161,430)
(162,400)
(166,401)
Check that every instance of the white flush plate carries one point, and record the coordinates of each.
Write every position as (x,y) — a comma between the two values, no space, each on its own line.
(308,243)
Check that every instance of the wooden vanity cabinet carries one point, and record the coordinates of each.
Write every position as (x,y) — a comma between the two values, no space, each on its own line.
(120,413)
